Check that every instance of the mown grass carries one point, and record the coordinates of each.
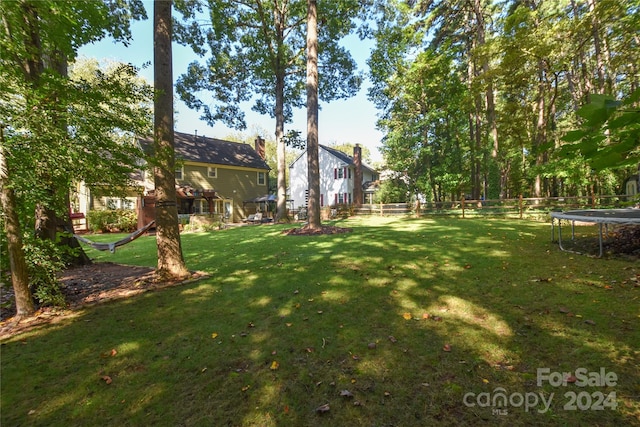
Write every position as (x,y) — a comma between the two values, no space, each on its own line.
(284,324)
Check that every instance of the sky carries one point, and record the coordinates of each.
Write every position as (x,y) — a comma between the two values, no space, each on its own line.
(342,121)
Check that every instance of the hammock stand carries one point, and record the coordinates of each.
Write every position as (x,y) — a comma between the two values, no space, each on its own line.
(111,247)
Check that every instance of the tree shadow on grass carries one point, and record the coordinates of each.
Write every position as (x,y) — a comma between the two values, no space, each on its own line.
(285,325)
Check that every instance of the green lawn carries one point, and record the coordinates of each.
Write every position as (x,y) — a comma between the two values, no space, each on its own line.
(401,322)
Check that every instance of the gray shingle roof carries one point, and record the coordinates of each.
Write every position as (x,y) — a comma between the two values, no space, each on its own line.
(211,150)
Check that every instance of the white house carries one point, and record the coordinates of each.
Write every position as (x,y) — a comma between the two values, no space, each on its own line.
(344,179)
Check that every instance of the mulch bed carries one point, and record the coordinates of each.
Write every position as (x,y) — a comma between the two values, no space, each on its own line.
(308,231)
(84,286)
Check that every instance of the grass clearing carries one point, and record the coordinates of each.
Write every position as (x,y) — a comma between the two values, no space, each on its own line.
(420,320)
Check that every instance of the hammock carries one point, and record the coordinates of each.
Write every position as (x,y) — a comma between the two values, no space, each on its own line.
(111,247)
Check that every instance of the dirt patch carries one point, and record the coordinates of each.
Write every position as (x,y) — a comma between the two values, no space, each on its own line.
(84,286)
(307,231)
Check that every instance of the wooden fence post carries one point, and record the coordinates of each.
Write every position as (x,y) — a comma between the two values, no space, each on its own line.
(462,204)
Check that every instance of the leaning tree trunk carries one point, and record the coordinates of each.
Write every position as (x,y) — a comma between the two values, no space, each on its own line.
(17,260)
(313,168)
(171,263)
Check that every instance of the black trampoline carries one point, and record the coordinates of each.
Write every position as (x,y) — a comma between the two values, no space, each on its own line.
(602,217)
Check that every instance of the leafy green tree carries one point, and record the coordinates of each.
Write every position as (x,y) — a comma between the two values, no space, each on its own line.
(610,134)
(527,68)
(57,130)
(258,52)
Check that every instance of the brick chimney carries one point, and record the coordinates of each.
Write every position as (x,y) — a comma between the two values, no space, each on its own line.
(358,196)
(259,146)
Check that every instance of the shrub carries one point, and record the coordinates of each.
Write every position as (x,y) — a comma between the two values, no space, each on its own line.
(44,260)
(106,221)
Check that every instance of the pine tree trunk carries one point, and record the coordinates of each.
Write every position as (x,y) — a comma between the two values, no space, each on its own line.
(171,263)
(313,168)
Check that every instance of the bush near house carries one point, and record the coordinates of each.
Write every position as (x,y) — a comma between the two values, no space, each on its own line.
(107,221)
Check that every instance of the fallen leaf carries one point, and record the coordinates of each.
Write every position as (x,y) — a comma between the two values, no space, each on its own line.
(372,345)
(245,388)
(486,381)
(564,310)
(346,393)
(571,379)
(322,409)
(274,365)
(107,379)
(392,339)
(446,347)
(426,315)
(589,322)
(214,335)
(113,352)
(407,316)
(289,324)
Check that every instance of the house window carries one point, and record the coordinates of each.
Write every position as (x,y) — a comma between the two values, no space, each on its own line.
(212,172)
(349,196)
(113,203)
(341,198)
(262,178)
(349,170)
(339,173)
(179,173)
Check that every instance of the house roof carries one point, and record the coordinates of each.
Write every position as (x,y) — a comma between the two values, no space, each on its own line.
(343,157)
(202,149)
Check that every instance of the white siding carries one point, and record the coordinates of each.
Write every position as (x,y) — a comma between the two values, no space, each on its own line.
(330,186)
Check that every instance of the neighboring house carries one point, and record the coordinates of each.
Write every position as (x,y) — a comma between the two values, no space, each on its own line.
(343,179)
(212,176)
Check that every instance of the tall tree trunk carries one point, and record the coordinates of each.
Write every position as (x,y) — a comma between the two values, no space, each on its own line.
(170,259)
(313,168)
(541,126)
(281,152)
(597,46)
(17,260)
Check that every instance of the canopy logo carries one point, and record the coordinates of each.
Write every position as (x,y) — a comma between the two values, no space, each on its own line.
(500,402)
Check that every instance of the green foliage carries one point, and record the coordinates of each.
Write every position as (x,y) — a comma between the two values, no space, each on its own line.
(436,63)
(610,135)
(105,221)
(44,261)
(252,45)
(392,191)
(60,129)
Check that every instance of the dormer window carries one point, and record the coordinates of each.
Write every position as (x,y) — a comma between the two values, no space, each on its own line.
(212,172)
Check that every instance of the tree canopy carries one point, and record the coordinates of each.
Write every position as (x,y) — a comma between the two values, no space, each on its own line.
(257,52)
(476,96)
